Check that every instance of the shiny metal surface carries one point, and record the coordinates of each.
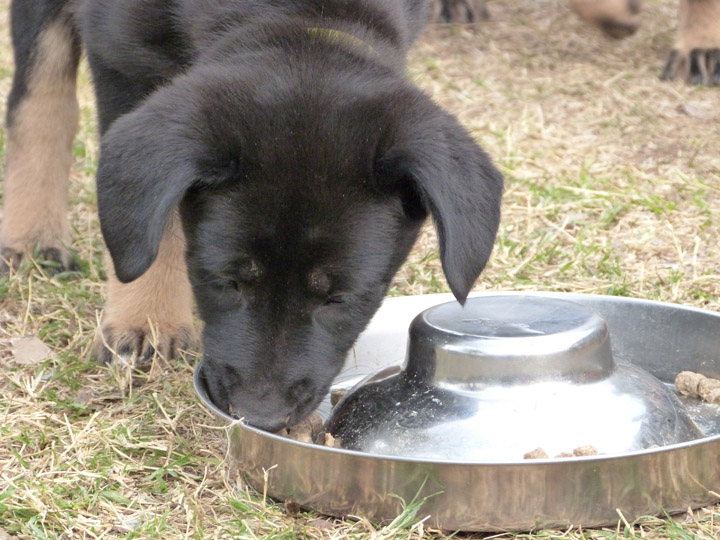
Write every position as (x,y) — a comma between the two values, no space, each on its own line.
(507,340)
(515,495)
(504,375)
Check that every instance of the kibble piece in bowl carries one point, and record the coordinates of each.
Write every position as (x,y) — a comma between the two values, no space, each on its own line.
(304,431)
(538,453)
(581,451)
(694,384)
(312,431)
(587,450)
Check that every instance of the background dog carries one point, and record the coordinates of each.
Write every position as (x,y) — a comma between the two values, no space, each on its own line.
(695,56)
(279,144)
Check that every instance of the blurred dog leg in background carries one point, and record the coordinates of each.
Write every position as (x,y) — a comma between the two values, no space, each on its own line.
(695,57)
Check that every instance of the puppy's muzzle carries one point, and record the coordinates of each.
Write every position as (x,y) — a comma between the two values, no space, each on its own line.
(268,403)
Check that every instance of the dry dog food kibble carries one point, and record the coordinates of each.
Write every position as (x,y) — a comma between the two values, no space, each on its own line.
(304,431)
(336,396)
(311,430)
(332,442)
(581,451)
(538,453)
(587,450)
(694,384)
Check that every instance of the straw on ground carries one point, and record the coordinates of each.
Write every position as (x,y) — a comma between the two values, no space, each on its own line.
(613,187)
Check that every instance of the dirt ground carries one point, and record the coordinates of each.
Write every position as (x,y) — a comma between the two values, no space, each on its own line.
(612,187)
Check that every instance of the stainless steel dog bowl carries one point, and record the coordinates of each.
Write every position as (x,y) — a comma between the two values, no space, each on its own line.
(513,494)
(505,375)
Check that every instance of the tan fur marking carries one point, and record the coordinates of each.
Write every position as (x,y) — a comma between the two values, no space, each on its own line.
(162,297)
(40,149)
(698,25)
(435,11)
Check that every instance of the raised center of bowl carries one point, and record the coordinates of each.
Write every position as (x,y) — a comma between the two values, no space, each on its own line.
(508,340)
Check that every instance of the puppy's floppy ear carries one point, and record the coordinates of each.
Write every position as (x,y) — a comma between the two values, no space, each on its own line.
(434,158)
(147,162)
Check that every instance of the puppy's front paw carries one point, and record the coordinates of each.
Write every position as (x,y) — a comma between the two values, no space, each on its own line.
(53,260)
(10,259)
(151,316)
(140,346)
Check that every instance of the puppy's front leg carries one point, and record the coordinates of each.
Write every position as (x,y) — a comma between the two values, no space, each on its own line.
(41,123)
(151,315)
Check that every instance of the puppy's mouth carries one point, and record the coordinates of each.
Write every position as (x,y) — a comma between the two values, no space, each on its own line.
(270,412)
(272,424)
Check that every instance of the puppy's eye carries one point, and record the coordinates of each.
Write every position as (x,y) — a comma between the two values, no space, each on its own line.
(233,284)
(224,284)
(335,299)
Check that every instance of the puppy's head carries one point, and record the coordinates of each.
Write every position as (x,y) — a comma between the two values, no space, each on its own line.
(299,203)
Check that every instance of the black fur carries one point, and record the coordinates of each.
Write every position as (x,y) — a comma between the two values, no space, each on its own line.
(303,163)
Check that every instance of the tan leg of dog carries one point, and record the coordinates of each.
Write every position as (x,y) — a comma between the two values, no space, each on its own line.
(41,129)
(696,55)
(616,18)
(151,315)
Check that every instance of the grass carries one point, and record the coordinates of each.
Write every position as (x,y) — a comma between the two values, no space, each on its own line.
(613,187)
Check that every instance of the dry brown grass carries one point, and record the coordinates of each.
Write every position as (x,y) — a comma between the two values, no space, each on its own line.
(613,187)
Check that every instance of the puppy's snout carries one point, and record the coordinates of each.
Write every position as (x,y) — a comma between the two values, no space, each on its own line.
(263,400)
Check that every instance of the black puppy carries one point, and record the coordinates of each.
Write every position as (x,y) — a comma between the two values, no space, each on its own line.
(298,158)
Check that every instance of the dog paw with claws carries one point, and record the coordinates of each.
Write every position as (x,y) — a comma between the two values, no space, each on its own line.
(139,347)
(695,58)
(151,316)
(698,67)
(52,260)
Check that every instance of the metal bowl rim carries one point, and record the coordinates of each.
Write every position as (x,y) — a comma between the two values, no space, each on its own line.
(235,423)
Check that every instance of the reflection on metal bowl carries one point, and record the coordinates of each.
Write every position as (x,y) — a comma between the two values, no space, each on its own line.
(513,494)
